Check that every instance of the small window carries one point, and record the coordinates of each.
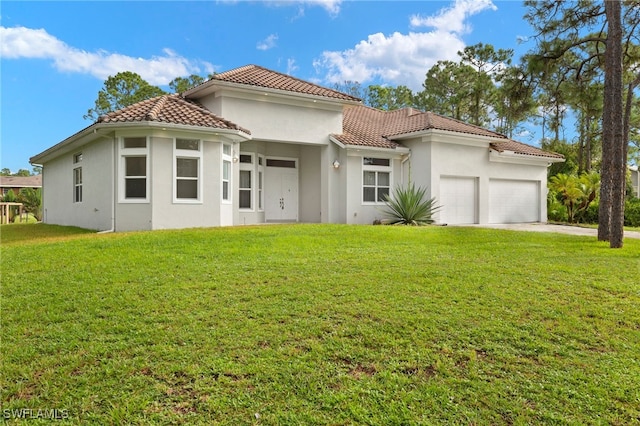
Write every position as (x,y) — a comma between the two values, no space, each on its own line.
(226,173)
(135,181)
(188,144)
(289,164)
(140,142)
(376,179)
(246,158)
(226,179)
(77,158)
(245,189)
(260,182)
(375,186)
(368,161)
(187,178)
(77,185)
(133,170)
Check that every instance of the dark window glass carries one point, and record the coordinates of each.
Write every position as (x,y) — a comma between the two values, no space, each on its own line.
(187,189)
(246,158)
(369,161)
(187,167)
(135,142)
(136,166)
(369,194)
(135,188)
(289,164)
(245,199)
(190,144)
(381,193)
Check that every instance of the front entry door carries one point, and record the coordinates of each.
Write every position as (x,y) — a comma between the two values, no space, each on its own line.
(281,190)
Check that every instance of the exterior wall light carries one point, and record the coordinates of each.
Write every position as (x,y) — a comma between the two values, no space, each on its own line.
(336,164)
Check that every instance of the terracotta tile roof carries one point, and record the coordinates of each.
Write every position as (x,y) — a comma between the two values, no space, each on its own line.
(365,126)
(253,75)
(172,109)
(34,181)
(521,148)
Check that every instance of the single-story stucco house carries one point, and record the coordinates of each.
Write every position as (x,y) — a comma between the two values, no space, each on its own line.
(18,183)
(253,145)
(635,180)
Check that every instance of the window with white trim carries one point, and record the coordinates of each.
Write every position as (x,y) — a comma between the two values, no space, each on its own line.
(77,185)
(188,160)
(226,173)
(376,179)
(260,182)
(245,185)
(134,155)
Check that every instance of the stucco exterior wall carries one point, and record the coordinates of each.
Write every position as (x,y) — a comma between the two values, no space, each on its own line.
(358,212)
(168,213)
(334,192)
(431,160)
(635,181)
(310,184)
(268,118)
(95,211)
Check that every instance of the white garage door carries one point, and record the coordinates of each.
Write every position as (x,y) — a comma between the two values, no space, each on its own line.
(458,198)
(514,201)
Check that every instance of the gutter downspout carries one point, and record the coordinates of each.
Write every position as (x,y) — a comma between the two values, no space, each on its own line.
(404,160)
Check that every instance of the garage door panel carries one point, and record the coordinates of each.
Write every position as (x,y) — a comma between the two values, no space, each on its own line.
(514,201)
(458,198)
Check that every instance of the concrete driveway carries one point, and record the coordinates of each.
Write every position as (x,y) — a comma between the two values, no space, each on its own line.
(561,229)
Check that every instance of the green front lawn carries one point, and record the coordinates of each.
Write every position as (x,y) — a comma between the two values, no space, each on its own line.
(321,324)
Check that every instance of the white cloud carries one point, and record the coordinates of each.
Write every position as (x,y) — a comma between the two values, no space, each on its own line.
(403,59)
(331,6)
(267,43)
(453,18)
(21,42)
(291,66)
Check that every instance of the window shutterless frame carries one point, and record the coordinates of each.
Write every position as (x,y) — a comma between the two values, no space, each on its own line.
(246,182)
(226,189)
(187,171)
(133,170)
(376,179)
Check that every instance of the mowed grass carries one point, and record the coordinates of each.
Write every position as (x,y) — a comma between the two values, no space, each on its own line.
(322,324)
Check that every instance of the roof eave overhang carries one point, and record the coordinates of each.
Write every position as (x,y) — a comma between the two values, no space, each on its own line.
(88,134)
(516,158)
(68,144)
(348,147)
(450,134)
(213,85)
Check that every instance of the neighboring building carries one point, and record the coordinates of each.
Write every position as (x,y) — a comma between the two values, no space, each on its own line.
(17,183)
(286,151)
(635,180)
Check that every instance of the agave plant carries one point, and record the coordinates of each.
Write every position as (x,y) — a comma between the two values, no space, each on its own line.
(409,206)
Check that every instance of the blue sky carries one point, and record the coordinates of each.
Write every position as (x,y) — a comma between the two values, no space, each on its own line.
(55,56)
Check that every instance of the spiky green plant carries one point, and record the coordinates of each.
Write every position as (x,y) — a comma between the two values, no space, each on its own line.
(409,206)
